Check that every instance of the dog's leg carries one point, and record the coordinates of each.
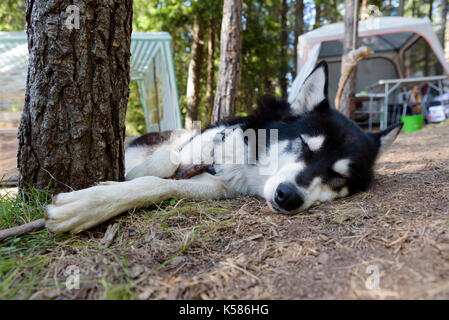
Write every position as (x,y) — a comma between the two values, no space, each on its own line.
(162,164)
(80,210)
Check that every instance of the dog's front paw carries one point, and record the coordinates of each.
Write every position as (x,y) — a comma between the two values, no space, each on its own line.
(79,210)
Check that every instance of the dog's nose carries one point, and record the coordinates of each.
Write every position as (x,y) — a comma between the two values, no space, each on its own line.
(288,197)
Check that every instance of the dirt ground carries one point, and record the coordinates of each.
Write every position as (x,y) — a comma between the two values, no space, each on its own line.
(8,153)
(389,243)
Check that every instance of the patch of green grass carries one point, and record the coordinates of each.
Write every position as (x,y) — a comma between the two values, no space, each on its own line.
(23,257)
(14,211)
(33,264)
(112,291)
(22,260)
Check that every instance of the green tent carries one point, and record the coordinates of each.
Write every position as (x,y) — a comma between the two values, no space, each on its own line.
(151,66)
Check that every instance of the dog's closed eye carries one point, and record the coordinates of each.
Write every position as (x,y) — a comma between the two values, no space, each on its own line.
(336,183)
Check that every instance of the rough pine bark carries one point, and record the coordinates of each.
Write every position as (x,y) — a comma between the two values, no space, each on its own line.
(194,76)
(228,78)
(299,29)
(73,124)
(347,101)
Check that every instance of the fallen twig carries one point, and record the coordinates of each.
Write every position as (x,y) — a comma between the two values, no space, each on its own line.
(190,172)
(109,235)
(24,228)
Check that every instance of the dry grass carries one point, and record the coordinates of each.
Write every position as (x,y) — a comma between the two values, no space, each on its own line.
(238,249)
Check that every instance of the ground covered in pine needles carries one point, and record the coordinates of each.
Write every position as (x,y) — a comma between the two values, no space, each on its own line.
(389,243)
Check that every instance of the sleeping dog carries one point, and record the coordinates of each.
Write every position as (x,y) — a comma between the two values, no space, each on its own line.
(293,155)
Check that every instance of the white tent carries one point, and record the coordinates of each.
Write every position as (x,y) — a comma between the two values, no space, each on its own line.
(151,66)
(403,48)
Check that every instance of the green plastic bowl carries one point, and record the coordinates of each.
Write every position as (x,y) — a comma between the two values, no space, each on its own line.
(412,123)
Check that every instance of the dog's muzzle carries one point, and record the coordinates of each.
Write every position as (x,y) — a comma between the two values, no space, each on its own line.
(287,197)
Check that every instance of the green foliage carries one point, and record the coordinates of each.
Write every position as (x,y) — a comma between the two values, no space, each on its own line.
(135,118)
(12,15)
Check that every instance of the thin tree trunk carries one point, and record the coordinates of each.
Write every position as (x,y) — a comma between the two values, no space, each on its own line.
(268,85)
(230,65)
(401,7)
(444,9)
(430,12)
(193,79)
(427,49)
(299,29)
(210,73)
(364,10)
(317,15)
(347,101)
(388,8)
(284,45)
(73,124)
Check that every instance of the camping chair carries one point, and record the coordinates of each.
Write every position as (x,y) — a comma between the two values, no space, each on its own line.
(401,106)
(414,101)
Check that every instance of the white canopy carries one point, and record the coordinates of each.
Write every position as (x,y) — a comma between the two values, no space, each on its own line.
(151,66)
(389,37)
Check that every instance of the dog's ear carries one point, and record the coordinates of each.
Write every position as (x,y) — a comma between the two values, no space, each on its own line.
(313,91)
(383,139)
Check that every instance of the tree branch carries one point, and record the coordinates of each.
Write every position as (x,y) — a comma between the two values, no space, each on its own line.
(25,228)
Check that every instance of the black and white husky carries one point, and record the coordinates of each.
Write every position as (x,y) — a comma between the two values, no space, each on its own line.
(293,155)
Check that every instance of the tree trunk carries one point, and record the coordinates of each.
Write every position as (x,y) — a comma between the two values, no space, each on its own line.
(444,9)
(427,49)
(299,29)
(194,77)
(430,12)
(317,15)
(284,45)
(401,8)
(364,14)
(73,124)
(347,101)
(210,73)
(230,65)
(388,8)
